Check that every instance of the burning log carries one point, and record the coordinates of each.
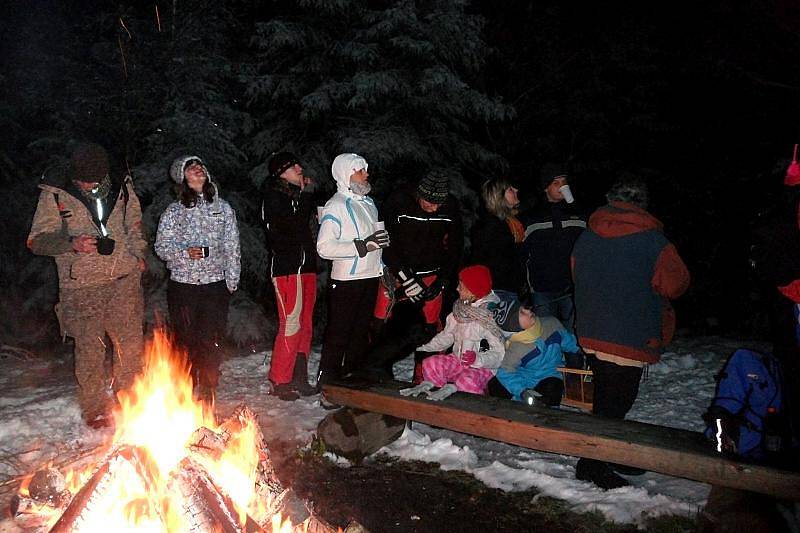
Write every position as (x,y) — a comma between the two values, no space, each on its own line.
(171,467)
(203,504)
(205,507)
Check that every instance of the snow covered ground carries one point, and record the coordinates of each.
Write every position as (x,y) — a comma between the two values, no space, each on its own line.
(40,420)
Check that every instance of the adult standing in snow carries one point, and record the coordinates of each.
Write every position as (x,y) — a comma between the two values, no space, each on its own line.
(288,210)
(497,238)
(427,245)
(351,236)
(89,220)
(625,271)
(550,233)
(198,238)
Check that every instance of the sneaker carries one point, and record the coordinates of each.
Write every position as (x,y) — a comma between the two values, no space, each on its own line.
(599,473)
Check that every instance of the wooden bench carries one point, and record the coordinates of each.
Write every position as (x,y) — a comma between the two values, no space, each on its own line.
(670,451)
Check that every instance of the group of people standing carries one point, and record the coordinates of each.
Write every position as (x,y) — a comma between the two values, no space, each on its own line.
(531,282)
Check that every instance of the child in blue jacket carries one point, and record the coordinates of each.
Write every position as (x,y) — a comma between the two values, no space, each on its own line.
(533,354)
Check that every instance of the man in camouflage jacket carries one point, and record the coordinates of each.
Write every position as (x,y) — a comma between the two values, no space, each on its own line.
(91,225)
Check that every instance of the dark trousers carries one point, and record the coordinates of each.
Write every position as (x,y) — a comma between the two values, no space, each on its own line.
(404,330)
(199,317)
(551,389)
(615,388)
(346,339)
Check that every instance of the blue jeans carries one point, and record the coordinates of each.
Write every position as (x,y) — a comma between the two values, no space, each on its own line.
(558,304)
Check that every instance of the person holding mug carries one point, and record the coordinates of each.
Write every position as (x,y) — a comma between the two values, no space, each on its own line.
(551,230)
(198,238)
(351,236)
(89,220)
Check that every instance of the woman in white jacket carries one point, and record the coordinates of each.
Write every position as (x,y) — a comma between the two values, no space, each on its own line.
(476,340)
(350,236)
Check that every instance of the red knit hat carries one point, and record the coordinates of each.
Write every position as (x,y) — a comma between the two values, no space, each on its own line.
(476,278)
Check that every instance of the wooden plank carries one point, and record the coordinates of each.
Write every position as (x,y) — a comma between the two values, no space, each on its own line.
(670,451)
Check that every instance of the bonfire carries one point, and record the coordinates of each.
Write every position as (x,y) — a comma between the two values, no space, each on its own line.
(169,467)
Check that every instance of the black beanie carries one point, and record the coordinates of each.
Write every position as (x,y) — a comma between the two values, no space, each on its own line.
(89,163)
(280,162)
(550,172)
(434,187)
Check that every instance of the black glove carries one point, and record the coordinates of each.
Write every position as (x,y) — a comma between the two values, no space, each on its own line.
(379,239)
(412,287)
(434,289)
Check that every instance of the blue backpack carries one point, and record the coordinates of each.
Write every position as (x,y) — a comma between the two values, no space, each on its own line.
(744,417)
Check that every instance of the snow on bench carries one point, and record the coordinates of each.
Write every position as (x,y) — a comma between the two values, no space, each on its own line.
(675,452)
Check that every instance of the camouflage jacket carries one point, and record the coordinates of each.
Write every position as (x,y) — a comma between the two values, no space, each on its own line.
(61,215)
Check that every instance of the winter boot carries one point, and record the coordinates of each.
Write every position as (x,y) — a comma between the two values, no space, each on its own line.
(300,376)
(284,391)
(599,473)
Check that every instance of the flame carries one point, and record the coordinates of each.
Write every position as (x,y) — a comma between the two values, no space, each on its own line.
(159,414)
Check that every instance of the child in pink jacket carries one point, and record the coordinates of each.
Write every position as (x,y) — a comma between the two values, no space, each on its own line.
(476,340)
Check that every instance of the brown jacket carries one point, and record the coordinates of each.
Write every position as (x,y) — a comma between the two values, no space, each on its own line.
(61,216)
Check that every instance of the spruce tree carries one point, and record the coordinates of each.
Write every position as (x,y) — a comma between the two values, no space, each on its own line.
(392,81)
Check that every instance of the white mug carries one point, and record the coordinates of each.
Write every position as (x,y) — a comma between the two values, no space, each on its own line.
(379,225)
(566,193)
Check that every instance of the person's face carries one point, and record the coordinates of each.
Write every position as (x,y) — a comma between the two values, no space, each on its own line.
(293,174)
(464,293)
(511,197)
(195,177)
(86,185)
(359,176)
(552,190)
(428,207)
(526,318)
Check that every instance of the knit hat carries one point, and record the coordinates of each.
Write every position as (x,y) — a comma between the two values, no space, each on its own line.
(506,312)
(549,173)
(89,163)
(280,162)
(434,187)
(178,168)
(476,278)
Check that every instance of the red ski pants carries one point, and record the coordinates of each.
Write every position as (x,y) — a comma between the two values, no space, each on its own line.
(295,296)
(430,309)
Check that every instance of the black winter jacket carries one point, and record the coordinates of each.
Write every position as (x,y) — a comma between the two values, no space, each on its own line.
(420,241)
(493,246)
(551,230)
(288,217)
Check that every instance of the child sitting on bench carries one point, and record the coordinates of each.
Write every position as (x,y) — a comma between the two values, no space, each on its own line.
(533,354)
(475,337)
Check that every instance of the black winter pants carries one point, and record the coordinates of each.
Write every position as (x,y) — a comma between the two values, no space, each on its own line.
(615,388)
(199,317)
(346,339)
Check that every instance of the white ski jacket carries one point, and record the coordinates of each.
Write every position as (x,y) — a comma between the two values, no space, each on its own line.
(348,216)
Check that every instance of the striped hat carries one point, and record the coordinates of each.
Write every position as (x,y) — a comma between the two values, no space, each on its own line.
(434,187)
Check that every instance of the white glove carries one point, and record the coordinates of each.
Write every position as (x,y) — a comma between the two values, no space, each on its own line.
(444,392)
(412,287)
(425,386)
